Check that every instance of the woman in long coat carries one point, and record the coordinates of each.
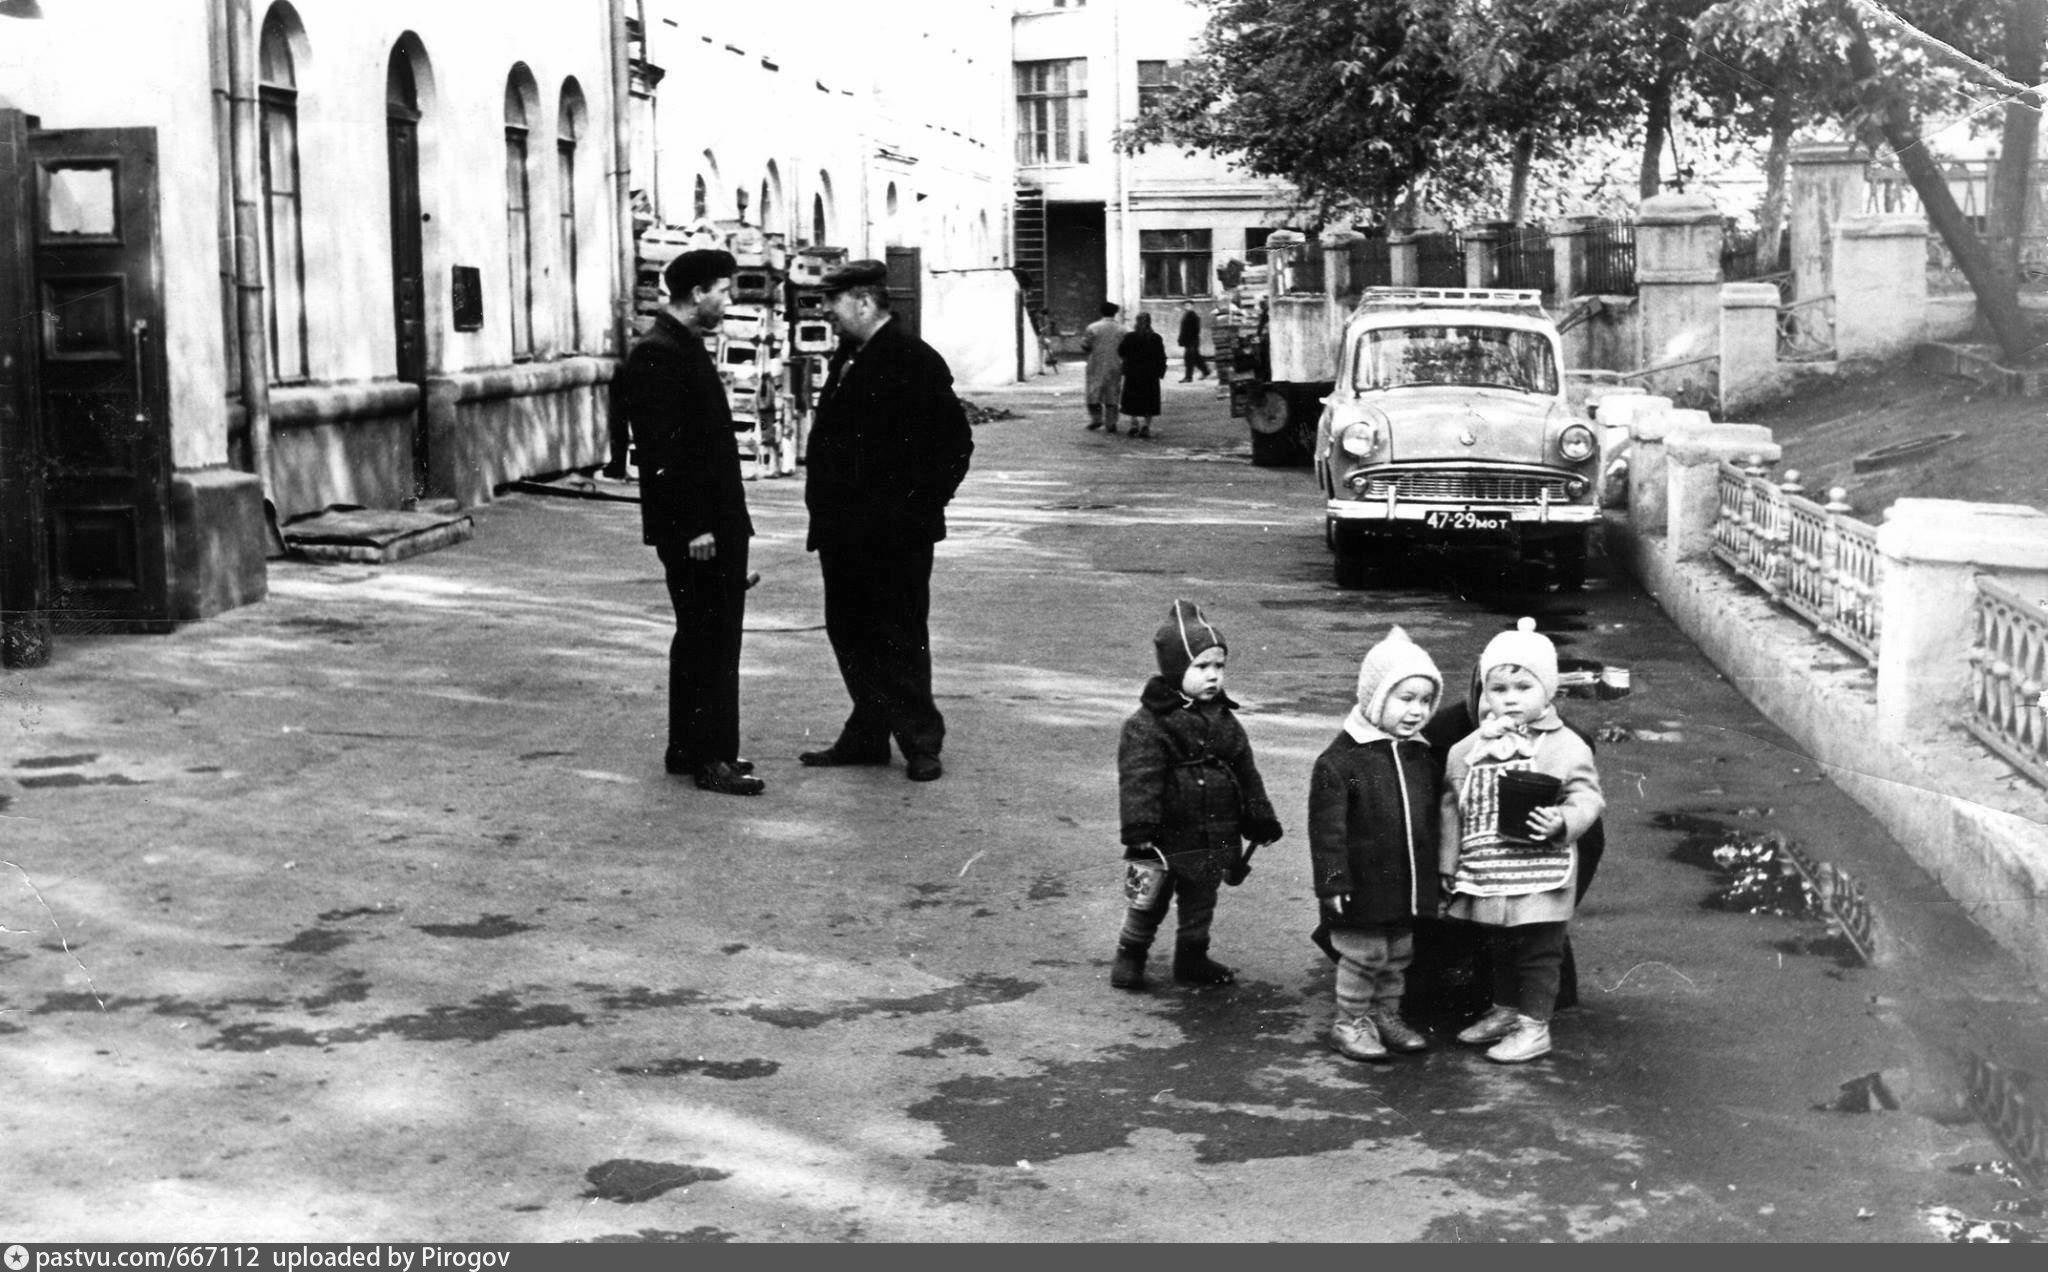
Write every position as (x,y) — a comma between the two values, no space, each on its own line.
(1144,360)
(1105,369)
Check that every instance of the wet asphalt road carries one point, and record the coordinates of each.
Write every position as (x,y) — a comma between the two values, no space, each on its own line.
(368,913)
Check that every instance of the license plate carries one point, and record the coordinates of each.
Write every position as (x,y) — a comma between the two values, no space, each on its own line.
(1466,520)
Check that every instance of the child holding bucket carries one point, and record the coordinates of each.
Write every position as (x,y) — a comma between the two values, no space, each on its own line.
(1518,793)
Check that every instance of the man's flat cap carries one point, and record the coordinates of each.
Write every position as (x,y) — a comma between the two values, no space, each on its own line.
(855,274)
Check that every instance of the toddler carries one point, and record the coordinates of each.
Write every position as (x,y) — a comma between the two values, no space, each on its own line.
(1518,886)
(1372,839)
(1190,798)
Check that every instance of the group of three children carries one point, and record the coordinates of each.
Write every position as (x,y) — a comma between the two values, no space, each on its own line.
(1389,842)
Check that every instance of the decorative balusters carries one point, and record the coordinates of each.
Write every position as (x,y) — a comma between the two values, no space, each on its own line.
(1812,558)
(2008,672)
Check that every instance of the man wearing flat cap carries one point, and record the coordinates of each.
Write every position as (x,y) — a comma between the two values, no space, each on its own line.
(888,447)
(693,509)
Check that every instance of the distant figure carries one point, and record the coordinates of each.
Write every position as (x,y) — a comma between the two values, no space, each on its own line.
(1143,355)
(1048,356)
(1192,360)
(1105,368)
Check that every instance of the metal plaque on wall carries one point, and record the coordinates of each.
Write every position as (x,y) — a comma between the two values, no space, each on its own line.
(467,296)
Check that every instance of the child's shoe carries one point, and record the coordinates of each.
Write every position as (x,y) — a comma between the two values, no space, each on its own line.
(1394,1031)
(1357,1037)
(1193,966)
(1128,972)
(1530,1039)
(1496,1024)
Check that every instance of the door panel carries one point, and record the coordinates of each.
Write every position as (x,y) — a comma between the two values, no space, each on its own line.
(906,286)
(103,385)
(24,564)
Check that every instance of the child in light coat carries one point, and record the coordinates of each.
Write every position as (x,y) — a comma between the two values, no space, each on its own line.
(1520,885)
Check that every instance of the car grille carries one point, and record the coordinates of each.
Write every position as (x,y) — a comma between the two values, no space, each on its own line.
(1463,487)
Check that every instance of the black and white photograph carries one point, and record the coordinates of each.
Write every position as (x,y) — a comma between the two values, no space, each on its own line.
(1187,622)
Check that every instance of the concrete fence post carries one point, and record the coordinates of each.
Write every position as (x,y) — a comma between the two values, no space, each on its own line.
(1678,284)
(1568,255)
(1404,260)
(1482,254)
(1749,344)
(1648,465)
(1880,270)
(1828,184)
(1931,550)
(1693,456)
(1620,414)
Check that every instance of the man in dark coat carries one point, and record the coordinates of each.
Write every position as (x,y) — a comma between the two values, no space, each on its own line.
(889,446)
(693,509)
(1192,358)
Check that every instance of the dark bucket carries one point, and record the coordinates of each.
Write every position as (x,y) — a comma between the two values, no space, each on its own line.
(1521,793)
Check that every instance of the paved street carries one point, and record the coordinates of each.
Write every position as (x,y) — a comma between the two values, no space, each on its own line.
(368,912)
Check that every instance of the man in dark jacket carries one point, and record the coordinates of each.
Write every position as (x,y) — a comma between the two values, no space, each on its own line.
(693,509)
(889,446)
(1192,358)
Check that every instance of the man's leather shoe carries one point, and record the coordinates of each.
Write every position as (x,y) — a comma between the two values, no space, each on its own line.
(924,768)
(725,779)
(688,768)
(834,757)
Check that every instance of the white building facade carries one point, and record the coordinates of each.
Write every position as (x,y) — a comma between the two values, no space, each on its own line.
(1148,231)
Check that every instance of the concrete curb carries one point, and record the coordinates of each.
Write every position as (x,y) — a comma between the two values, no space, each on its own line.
(1956,809)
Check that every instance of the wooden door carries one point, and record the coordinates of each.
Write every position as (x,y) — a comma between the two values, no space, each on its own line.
(102,382)
(24,559)
(906,287)
(408,274)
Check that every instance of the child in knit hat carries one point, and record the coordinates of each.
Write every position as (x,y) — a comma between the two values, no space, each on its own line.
(1517,882)
(1190,799)
(1372,839)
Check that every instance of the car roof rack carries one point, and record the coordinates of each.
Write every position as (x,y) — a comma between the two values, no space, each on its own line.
(1462,297)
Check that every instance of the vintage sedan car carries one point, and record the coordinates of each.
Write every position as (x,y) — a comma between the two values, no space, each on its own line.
(1450,423)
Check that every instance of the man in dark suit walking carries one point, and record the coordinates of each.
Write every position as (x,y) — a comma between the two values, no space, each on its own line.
(888,448)
(1193,360)
(693,509)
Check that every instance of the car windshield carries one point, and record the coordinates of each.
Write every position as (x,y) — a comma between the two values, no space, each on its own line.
(1478,357)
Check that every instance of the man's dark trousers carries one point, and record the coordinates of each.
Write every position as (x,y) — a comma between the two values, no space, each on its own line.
(710,599)
(877,614)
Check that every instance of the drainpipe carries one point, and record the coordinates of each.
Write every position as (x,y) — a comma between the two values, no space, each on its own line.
(1123,181)
(628,262)
(246,184)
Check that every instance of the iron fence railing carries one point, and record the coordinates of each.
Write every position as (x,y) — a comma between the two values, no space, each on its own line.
(1611,258)
(1372,264)
(2008,672)
(1806,330)
(1440,260)
(1813,559)
(1526,261)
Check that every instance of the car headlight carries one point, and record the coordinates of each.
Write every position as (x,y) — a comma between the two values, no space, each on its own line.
(1576,443)
(1360,439)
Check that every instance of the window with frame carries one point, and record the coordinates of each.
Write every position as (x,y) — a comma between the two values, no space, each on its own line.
(284,250)
(1175,262)
(1156,80)
(519,215)
(1255,237)
(1052,111)
(569,128)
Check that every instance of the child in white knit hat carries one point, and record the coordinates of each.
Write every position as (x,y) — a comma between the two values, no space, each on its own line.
(1517,881)
(1372,840)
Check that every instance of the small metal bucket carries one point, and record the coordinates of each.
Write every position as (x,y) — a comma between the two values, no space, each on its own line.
(1143,882)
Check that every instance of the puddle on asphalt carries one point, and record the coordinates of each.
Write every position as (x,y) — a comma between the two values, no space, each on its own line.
(948,1043)
(314,941)
(376,910)
(56,761)
(975,991)
(725,1070)
(628,1181)
(481,1020)
(1757,878)
(1960,1229)
(488,927)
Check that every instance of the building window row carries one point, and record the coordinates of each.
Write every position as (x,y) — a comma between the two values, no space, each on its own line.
(1052,111)
(1174,262)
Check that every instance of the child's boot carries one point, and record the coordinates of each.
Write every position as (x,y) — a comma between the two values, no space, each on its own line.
(1357,1037)
(1393,1030)
(1497,1023)
(1128,972)
(1193,966)
(1530,1039)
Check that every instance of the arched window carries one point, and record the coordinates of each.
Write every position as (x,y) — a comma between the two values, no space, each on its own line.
(284,249)
(568,130)
(700,201)
(521,105)
(773,217)
(823,213)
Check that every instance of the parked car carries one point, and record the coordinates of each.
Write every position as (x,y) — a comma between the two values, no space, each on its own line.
(1450,423)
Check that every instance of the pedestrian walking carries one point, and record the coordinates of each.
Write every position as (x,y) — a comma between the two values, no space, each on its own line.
(1372,838)
(1514,875)
(1105,369)
(1192,804)
(1048,351)
(1449,957)
(889,446)
(1143,356)
(1192,358)
(693,509)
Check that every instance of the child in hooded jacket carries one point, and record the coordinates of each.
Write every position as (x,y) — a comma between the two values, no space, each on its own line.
(1372,840)
(1190,798)
(1519,886)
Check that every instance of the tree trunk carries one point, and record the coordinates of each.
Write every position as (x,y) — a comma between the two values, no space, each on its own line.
(1518,177)
(1770,217)
(1656,128)
(2026,29)
(1997,297)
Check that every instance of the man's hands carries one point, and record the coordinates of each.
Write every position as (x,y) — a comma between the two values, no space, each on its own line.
(703,548)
